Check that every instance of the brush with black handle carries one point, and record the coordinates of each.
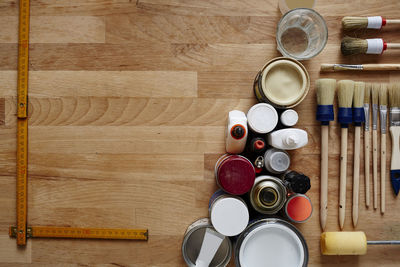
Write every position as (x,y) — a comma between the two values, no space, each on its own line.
(345,117)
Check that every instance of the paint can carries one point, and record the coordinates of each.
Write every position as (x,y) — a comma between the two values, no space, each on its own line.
(276,160)
(283,82)
(229,214)
(262,118)
(271,242)
(298,208)
(234,174)
(268,195)
(193,240)
(289,118)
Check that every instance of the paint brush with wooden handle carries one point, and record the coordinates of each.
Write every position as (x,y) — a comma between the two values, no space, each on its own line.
(358,118)
(345,97)
(354,46)
(383,119)
(325,89)
(394,115)
(375,22)
(367,141)
(362,67)
(375,98)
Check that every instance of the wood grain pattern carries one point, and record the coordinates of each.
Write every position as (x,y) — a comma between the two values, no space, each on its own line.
(127,110)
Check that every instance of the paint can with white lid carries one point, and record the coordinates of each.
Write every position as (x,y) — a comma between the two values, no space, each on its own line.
(268,194)
(234,174)
(276,160)
(262,118)
(192,242)
(271,242)
(229,214)
(289,118)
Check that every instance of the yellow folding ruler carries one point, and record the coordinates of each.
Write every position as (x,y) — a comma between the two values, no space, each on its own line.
(21,231)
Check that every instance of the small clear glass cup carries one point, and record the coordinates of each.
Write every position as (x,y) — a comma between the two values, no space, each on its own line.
(301,34)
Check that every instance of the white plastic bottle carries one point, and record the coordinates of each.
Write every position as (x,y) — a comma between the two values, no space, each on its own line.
(236,132)
(288,139)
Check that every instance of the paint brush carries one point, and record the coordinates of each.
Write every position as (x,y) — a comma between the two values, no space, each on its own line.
(383,118)
(375,98)
(345,99)
(354,46)
(367,141)
(325,89)
(394,102)
(362,67)
(375,22)
(358,118)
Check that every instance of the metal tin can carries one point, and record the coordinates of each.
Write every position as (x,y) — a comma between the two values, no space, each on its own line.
(234,174)
(271,242)
(229,214)
(298,208)
(276,160)
(295,72)
(268,194)
(192,242)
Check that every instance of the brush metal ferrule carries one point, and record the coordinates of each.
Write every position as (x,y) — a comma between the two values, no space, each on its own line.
(347,67)
(374,116)
(366,115)
(394,116)
(383,117)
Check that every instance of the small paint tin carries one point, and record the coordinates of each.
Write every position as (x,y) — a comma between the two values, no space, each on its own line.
(296,182)
(229,214)
(283,82)
(289,118)
(276,161)
(271,242)
(298,208)
(268,194)
(262,118)
(193,240)
(234,174)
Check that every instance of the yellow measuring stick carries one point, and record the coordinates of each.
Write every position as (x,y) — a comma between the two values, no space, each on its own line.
(21,231)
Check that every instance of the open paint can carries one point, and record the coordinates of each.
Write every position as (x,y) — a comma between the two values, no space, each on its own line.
(283,82)
(298,208)
(229,214)
(193,240)
(271,242)
(234,174)
(268,195)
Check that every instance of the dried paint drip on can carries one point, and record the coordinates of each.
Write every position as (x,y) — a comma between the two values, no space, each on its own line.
(276,161)
(234,174)
(298,208)
(192,242)
(296,182)
(262,118)
(271,242)
(268,194)
(229,214)
(283,82)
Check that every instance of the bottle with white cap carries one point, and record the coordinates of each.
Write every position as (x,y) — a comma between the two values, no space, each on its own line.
(236,133)
(289,117)
(288,139)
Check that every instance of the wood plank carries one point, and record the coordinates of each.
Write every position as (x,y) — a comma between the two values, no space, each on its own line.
(10,253)
(2,111)
(56,29)
(104,83)
(125,111)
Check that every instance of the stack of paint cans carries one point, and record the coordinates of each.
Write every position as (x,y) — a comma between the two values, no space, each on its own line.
(259,197)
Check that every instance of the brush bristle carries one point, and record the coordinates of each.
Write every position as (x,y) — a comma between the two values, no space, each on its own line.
(325,91)
(394,95)
(345,93)
(375,93)
(359,88)
(367,93)
(353,23)
(353,46)
(383,95)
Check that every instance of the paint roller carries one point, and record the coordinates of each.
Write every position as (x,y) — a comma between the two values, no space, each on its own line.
(348,243)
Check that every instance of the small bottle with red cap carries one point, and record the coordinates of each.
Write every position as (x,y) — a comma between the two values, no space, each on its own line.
(236,134)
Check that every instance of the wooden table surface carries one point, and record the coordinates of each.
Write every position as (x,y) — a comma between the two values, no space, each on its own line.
(128,102)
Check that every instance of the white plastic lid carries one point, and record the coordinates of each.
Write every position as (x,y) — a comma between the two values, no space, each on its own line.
(274,244)
(262,118)
(289,117)
(229,216)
